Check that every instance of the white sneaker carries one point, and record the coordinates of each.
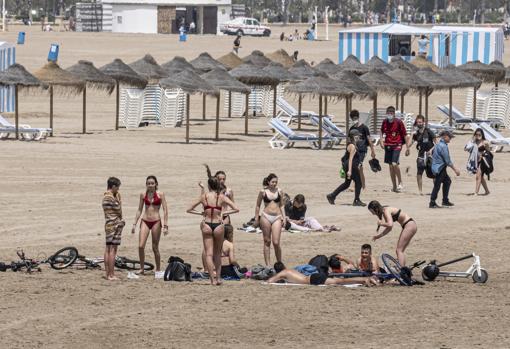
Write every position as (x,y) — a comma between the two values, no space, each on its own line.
(159,275)
(132,275)
(400,188)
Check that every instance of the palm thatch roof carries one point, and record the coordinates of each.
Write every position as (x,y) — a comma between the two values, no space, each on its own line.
(17,75)
(281,56)
(52,75)
(435,80)
(459,78)
(382,83)
(327,66)
(177,64)
(354,83)
(377,63)
(204,63)
(230,60)
(123,73)
(485,72)
(303,70)
(189,82)
(352,64)
(257,58)
(278,71)
(319,85)
(94,78)
(148,68)
(409,79)
(249,74)
(398,62)
(222,80)
(421,62)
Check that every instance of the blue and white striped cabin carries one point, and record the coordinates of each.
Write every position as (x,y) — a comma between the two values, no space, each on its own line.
(7,58)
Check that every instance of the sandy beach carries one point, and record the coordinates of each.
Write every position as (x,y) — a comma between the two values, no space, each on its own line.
(50,197)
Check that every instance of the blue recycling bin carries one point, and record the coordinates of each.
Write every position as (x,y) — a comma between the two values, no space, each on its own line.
(53,54)
(21,38)
(182,37)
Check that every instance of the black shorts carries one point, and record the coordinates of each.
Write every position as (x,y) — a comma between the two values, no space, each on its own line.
(362,155)
(391,155)
(318,279)
(421,166)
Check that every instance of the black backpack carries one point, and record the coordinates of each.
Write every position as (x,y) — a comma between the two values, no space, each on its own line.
(177,270)
(428,167)
(321,262)
(487,163)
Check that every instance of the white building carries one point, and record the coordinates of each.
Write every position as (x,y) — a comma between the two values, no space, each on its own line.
(165,16)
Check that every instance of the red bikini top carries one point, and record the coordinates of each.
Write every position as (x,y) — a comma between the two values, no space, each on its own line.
(156,200)
(209,207)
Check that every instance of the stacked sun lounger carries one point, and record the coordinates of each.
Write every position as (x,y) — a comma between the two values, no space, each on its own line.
(130,109)
(169,111)
(152,95)
(26,132)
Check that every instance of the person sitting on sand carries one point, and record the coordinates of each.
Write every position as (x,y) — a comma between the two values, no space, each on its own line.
(212,225)
(366,262)
(112,207)
(335,263)
(150,222)
(295,277)
(387,217)
(295,210)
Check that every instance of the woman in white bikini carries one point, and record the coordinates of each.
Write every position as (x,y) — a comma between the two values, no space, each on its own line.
(272,218)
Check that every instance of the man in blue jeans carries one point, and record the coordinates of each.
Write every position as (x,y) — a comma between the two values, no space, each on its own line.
(440,162)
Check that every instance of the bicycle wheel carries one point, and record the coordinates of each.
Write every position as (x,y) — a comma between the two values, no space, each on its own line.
(63,258)
(130,264)
(394,267)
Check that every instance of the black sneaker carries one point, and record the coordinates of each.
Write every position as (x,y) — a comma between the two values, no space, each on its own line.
(358,203)
(331,199)
(433,205)
(448,204)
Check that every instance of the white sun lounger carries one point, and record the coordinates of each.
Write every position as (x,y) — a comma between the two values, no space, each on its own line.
(329,128)
(26,132)
(285,137)
(496,139)
(288,113)
(458,118)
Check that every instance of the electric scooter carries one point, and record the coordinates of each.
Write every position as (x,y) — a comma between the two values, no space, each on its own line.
(475,271)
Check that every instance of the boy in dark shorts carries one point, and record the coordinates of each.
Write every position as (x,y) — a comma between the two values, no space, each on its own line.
(393,136)
(425,140)
(112,207)
(364,142)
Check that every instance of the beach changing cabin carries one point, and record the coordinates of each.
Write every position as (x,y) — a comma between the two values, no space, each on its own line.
(7,58)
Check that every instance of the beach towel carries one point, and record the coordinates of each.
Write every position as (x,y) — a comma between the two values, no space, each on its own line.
(289,284)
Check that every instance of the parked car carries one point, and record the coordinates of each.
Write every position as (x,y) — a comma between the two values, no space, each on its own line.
(244,26)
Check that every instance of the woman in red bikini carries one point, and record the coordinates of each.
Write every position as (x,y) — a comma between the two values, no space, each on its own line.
(213,202)
(152,199)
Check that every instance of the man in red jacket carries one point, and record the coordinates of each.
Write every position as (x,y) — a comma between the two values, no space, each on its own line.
(393,136)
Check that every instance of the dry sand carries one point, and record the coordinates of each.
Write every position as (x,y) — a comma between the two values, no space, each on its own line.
(51,193)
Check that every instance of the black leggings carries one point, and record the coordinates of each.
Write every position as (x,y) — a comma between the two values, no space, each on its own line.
(356,177)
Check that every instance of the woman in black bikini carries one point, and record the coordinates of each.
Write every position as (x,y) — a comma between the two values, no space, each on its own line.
(388,216)
(152,199)
(212,225)
(273,217)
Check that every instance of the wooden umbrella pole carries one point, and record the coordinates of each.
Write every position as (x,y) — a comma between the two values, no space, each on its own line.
(187,118)
(16,110)
(229,104)
(274,101)
(299,113)
(325,105)
(427,107)
(51,110)
(402,103)
(320,121)
(450,112)
(396,101)
(203,106)
(374,119)
(117,107)
(420,103)
(246,114)
(84,110)
(347,114)
(474,103)
(217,118)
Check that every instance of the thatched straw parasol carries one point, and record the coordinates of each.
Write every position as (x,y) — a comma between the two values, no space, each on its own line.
(376,63)
(436,82)
(148,68)
(492,73)
(230,60)
(283,75)
(257,58)
(304,71)
(190,83)
(222,80)
(458,79)
(357,86)
(178,64)
(421,62)
(398,62)
(249,74)
(381,83)
(323,87)
(122,74)
(54,76)
(327,66)
(352,64)
(408,79)
(204,63)
(281,56)
(16,75)
(94,78)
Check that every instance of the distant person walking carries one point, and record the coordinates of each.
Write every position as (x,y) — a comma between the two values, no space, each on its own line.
(425,140)
(112,207)
(440,162)
(423,46)
(393,136)
(237,44)
(364,141)
(479,154)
